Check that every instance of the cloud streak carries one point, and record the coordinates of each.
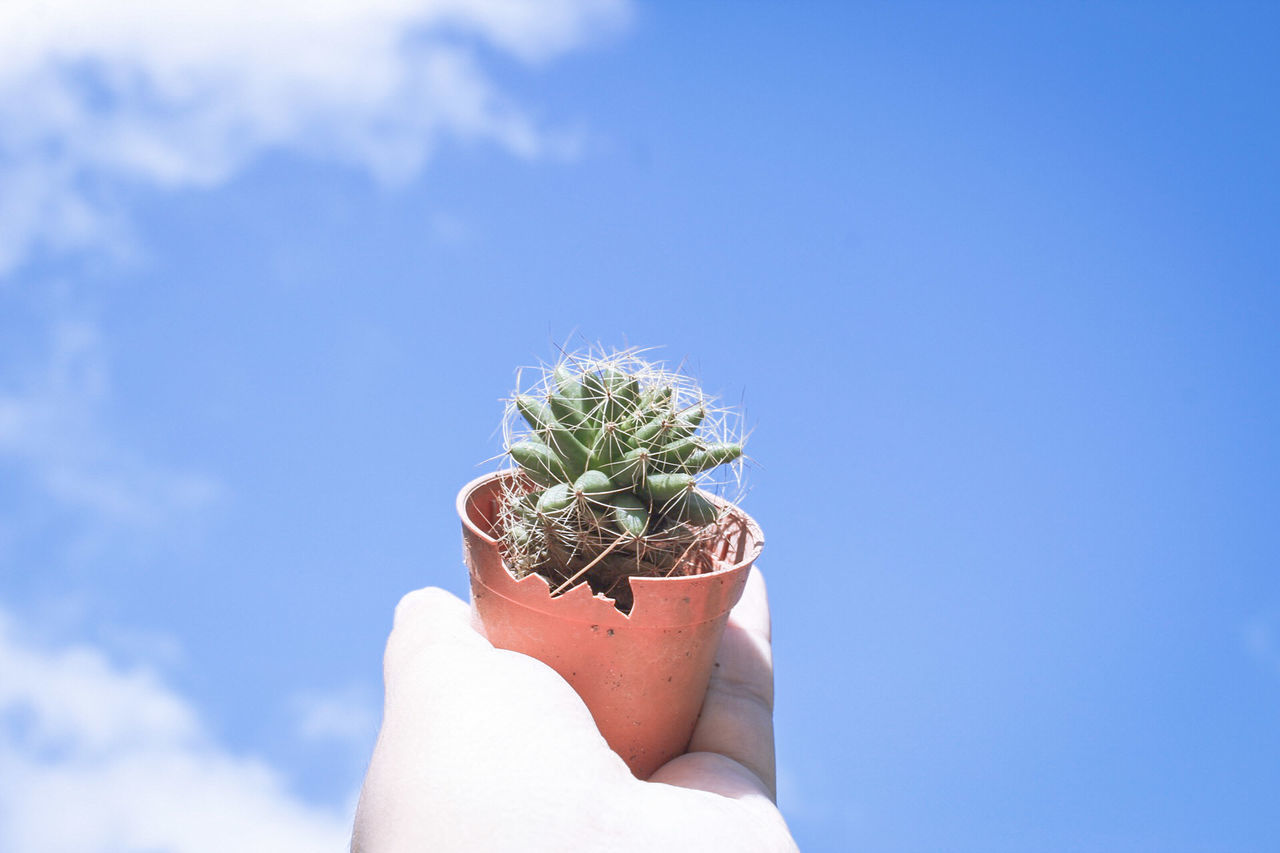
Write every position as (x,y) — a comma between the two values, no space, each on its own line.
(98,99)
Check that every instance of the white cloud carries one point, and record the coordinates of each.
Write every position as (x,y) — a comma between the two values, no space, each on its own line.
(50,427)
(183,93)
(95,757)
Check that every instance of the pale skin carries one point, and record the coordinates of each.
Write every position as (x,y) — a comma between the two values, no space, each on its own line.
(488,750)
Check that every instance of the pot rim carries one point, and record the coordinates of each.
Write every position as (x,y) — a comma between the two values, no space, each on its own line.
(724,567)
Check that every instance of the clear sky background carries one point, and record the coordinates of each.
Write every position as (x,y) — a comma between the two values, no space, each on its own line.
(997,285)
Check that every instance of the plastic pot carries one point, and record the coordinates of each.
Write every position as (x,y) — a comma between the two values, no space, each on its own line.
(643,675)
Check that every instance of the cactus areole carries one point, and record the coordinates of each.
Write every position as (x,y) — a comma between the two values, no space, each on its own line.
(613,456)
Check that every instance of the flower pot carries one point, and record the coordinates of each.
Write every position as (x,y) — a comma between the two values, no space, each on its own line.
(643,675)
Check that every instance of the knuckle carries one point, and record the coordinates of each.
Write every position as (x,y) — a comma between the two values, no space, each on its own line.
(418,603)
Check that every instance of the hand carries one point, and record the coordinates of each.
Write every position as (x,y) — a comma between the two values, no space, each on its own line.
(488,750)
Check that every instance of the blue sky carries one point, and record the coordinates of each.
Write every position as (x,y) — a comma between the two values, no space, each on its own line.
(996,286)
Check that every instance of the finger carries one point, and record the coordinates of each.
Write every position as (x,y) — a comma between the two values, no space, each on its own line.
(716,773)
(737,714)
(433,615)
(752,611)
(427,618)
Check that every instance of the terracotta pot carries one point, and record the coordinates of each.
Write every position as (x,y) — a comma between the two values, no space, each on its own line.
(642,675)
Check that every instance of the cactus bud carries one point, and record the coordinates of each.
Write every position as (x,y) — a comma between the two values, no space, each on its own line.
(663,487)
(712,455)
(534,411)
(539,462)
(630,512)
(691,507)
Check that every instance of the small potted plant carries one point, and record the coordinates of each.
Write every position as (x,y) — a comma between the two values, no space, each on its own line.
(604,551)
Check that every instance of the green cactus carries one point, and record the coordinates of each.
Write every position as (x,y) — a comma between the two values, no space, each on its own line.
(609,450)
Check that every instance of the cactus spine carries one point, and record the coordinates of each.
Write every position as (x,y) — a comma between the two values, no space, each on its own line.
(609,449)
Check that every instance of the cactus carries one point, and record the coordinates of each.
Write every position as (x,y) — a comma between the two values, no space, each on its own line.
(611,456)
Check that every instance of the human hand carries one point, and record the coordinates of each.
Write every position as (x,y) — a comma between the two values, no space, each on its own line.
(483,749)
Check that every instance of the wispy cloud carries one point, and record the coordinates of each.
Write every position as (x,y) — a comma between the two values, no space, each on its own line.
(349,716)
(1262,641)
(98,757)
(99,98)
(51,435)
